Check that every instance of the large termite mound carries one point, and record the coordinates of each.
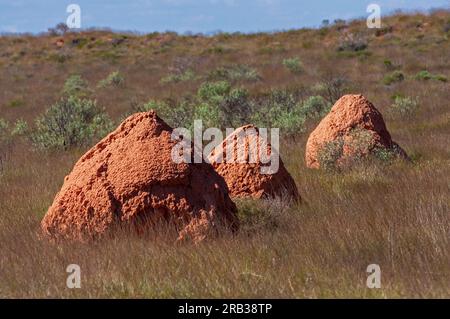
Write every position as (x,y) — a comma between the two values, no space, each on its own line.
(130,178)
(354,128)
(251,167)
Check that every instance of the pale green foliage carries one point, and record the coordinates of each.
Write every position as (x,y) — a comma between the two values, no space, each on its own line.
(293,64)
(75,85)
(179,77)
(330,153)
(279,109)
(20,128)
(315,107)
(236,73)
(71,122)
(214,92)
(360,143)
(404,106)
(396,76)
(424,75)
(113,79)
(176,115)
(222,106)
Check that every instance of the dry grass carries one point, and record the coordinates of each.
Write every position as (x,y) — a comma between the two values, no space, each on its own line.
(394,215)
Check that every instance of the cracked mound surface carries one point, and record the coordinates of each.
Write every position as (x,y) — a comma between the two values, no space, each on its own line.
(356,122)
(129,177)
(243,169)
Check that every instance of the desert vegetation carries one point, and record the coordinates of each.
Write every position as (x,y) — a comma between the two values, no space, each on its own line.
(63,91)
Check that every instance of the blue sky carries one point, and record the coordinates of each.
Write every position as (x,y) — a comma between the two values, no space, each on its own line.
(194,15)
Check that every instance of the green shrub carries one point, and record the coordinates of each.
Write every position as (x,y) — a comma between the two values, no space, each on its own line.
(113,79)
(315,107)
(279,109)
(332,87)
(425,76)
(20,128)
(70,122)
(440,77)
(16,103)
(360,142)
(209,113)
(404,105)
(385,155)
(235,109)
(330,153)
(180,77)
(293,64)
(75,85)
(396,76)
(236,73)
(214,92)
(388,63)
(175,114)
(227,107)
(268,214)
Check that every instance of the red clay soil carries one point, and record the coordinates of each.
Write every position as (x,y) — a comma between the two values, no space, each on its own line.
(244,176)
(129,177)
(350,114)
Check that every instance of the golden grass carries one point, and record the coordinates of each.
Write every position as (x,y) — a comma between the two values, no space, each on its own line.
(395,215)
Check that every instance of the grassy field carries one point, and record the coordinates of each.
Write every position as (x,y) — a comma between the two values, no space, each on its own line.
(396,215)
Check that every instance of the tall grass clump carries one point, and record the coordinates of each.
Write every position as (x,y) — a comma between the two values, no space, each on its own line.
(239,72)
(113,79)
(404,106)
(396,76)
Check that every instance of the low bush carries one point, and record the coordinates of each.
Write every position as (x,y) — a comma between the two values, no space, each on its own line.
(404,105)
(315,107)
(75,85)
(352,42)
(332,87)
(394,77)
(70,122)
(20,128)
(293,64)
(280,109)
(178,77)
(18,102)
(424,75)
(240,72)
(113,79)
(175,114)
(222,106)
(330,153)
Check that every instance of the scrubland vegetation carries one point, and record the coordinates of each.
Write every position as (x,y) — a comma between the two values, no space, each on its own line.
(63,91)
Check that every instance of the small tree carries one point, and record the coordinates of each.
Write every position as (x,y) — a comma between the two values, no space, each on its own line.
(60,29)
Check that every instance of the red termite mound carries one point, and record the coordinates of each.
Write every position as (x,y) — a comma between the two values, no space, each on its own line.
(357,126)
(238,160)
(129,177)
